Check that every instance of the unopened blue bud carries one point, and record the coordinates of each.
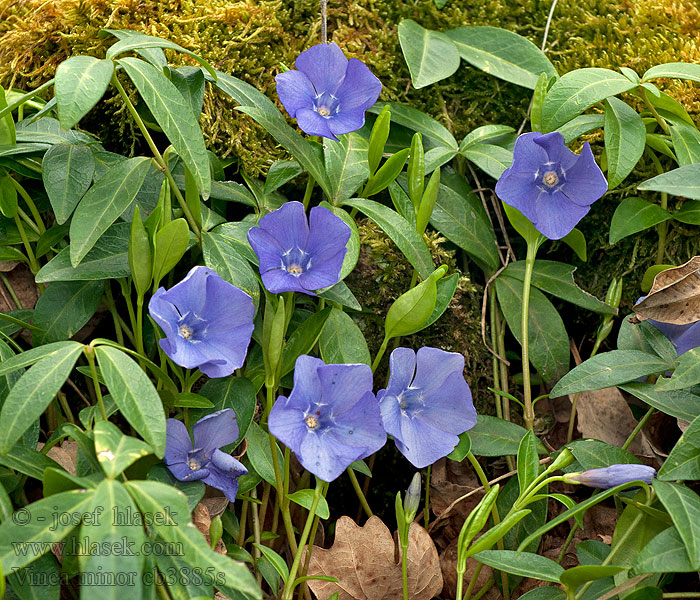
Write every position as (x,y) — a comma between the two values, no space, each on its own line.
(412,499)
(612,476)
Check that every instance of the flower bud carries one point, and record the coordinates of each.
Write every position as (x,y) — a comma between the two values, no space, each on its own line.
(612,476)
(412,498)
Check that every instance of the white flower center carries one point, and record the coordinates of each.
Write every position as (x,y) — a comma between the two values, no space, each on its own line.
(324,111)
(186,331)
(550,178)
(311,422)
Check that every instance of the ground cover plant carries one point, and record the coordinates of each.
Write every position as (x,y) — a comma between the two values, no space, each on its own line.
(196,376)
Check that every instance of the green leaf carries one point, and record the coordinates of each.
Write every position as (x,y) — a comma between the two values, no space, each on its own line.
(140,254)
(193,490)
(174,116)
(134,394)
(625,139)
(237,393)
(577,242)
(661,144)
(528,462)
(679,70)
(39,580)
(67,171)
(430,55)
(525,564)
(688,213)
(544,593)
(412,310)
(377,139)
(594,454)
(346,164)
(666,553)
(170,245)
(8,136)
(223,256)
(189,81)
(236,234)
(33,355)
(580,125)
(280,172)
(683,505)
(33,392)
(104,203)
(558,279)
(116,451)
(419,122)
(681,404)
(306,497)
(578,90)
(80,83)
(415,172)
(634,215)
(463,221)
(484,133)
(463,448)
(686,143)
(303,339)
(538,96)
(102,527)
(260,453)
(27,461)
(108,259)
(298,147)
(492,436)
(503,54)
(400,231)
(8,196)
(491,159)
(686,374)
(41,526)
(577,576)
(275,559)
(522,224)
(386,174)
(683,462)
(342,341)
(64,308)
(608,369)
(233,578)
(140,41)
(549,342)
(341,294)
(684,181)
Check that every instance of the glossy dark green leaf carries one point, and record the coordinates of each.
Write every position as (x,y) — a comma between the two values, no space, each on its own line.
(135,395)
(80,83)
(419,122)
(104,203)
(502,53)
(174,116)
(67,171)
(686,143)
(305,498)
(430,55)
(412,310)
(580,125)
(634,215)
(346,164)
(666,553)
(684,181)
(64,307)
(33,392)
(39,580)
(528,462)
(170,244)
(279,173)
(681,404)
(341,294)
(679,70)
(260,453)
(687,372)
(27,461)
(683,462)
(577,576)
(576,91)
(491,159)
(108,259)
(303,339)
(8,196)
(594,454)
(189,81)
(526,564)
(625,139)
(386,174)
(342,341)
(607,369)
(116,451)
(683,505)
(688,213)
(548,340)
(483,134)
(492,436)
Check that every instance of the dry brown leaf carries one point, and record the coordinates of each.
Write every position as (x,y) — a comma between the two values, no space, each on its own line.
(606,416)
(216,505)
(362,559)
(674,297)
(65,455)
(22,282)
(202,521)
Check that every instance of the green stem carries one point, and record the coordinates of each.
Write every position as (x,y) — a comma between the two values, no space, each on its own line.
(139,325)
(279,487)
(653,111)
(661,228)
(494,361)
(242,523)
(289,587)
(426,507)
(485,588)
(529,416)
(28,96)
(308,191)
(638,428)
(33,264)
(32,207)
(25,217)
(256,533)
(10,290)
(567,542)
(90,354)
(358,491)
(111,305)
(572,419)
(162,163)
(472,582)
(380,354)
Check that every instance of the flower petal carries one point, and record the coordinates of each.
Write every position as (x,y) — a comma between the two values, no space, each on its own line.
(422,444)
(287,225)
(224,471)
(528,156)
(557,215)
(362,426)
(286,423)
(228,464)
(449,407)
(311,122)
(307,385)
(585,182)
(215,430)
(343,386)
(227,307)
(177,442)
(325,65)
(189,294)
(434,366)
(267,249)
(324,273)
(328,234)
(520,191)
(345,121)
(555,147)
(360,88)
(402,366)
(184,352)
(295,91)
(277,281)
(325,456)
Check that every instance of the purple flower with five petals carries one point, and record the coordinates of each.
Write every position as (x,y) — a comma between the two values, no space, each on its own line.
(203,460)
(207,322)
(614,475)
(296,256)
(328,94)
(553,187)
(683,337)
(331,418)
(426,404)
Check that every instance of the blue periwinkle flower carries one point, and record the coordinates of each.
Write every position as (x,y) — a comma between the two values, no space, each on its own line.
(683,337)
(328,94)
(331,418)
(426,404)
(607,477)
(553,187)
(203,460)
(296,255)
(207,322)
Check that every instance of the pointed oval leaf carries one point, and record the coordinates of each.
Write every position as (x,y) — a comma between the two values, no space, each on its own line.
(341,340)
(625,140)
(430,55)
(80,83)
(634,215)
(684,181)
(67,171)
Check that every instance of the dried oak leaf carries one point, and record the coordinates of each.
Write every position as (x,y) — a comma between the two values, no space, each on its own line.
(674,297)
(363,561)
